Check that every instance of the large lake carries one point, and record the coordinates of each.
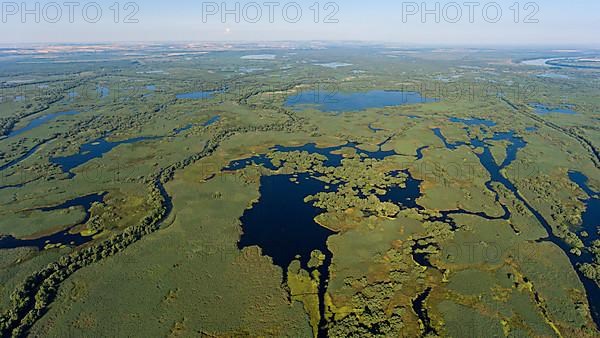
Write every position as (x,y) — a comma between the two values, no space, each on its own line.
(337,102)
(541,109)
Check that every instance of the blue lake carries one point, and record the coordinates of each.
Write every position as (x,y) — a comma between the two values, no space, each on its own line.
(545,110)
(283,226)
(102,92)
(40,121)
(337,102)
(300,235)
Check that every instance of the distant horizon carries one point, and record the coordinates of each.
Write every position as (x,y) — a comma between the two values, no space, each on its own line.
(388,44)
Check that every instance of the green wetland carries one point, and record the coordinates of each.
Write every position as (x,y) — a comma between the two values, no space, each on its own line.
(319,191)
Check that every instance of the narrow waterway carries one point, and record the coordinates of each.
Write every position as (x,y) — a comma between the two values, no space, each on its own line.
(418,305)
(516,143)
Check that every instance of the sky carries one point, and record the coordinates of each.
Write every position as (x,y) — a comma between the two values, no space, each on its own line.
(542,23)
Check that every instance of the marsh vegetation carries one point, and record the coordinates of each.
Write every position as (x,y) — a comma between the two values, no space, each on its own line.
(236,192)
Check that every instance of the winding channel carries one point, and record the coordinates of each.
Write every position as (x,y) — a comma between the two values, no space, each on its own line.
(495,171)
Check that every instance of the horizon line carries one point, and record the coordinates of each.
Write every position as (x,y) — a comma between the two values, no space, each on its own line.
(330,41)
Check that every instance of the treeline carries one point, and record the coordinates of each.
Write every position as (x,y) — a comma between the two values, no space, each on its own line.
(31,299)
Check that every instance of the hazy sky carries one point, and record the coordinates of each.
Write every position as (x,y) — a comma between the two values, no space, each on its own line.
(560,23)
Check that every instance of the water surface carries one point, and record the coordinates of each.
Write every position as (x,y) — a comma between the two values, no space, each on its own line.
(212,121)
(407,196)
(199,95)
(283,226)
(187,127)
(373,129)
(259,57)
(62,237)
(418,305)
(92,150)
(23,157)
(102,91)
(541,109)
(473,121)
(40,121)
(538,62)
(333,65)
(516,143)
(337,102)
(590,219)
